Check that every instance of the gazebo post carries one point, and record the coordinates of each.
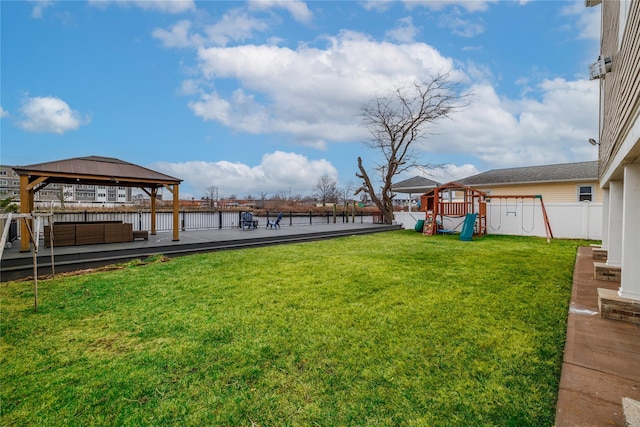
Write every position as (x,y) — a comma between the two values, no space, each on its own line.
(154,194)
(176,212)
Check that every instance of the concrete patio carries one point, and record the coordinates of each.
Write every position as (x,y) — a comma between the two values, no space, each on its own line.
(601,359)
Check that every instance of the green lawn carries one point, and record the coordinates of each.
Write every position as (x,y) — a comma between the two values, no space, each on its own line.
(390,329)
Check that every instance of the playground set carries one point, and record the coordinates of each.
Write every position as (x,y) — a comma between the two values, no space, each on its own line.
(470,210)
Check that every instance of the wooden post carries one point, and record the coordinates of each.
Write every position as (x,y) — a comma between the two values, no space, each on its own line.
(353,212)
(547,226)
(154,194)
(176,210)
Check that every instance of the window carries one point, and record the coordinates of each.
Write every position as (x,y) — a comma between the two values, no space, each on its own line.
(585,193)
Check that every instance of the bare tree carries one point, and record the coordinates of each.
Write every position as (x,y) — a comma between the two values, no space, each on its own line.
(279,199)
(396,122)
(296,199)
(263,199)
(347,192)
(63,193)
(326,189)
(212,196)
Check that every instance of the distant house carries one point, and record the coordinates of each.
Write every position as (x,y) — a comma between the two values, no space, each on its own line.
(567,182)
(414,185)
(617,71)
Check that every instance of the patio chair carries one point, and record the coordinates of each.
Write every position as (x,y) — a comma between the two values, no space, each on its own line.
(276,223)
(248,222)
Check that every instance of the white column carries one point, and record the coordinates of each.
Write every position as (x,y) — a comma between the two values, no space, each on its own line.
(630,279)
(614,251)
(605,218)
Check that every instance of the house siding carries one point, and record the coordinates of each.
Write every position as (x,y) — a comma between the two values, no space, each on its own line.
(552,192)
(620,88)
(619,152)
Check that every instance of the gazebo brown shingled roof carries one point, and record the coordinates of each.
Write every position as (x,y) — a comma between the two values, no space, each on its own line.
(94,170)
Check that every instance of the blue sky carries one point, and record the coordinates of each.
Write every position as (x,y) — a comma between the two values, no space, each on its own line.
(265,96)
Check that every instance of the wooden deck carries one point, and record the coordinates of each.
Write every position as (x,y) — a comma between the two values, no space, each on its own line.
(17,265)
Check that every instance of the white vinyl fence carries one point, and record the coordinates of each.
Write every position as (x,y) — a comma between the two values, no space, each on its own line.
(579,220)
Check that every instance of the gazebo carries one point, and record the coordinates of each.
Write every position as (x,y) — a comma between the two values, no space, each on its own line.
(94,170)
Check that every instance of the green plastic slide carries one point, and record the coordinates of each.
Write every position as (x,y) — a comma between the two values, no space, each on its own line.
(468,226)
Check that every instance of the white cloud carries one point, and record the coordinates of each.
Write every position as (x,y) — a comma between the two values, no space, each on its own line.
(451,172)
(163,6)
(49,115)
(377,5)
(442,173)
(177,36)
(3,113)
(189,87)
(313,94)
(587,20)
(405,31)
(468,5)
(502,132)
(296,8)
(234,26)
(278,171)
(459,26)
(39,6)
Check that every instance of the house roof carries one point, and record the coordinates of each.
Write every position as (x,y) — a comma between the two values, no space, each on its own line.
(417,184)
(97,170)
(581,171)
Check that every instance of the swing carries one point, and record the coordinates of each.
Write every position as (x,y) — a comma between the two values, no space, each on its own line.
(499,218)
(533,216)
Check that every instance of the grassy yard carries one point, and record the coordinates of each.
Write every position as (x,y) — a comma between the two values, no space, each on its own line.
(391,329)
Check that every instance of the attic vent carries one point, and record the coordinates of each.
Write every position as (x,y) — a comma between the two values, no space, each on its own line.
(599,68)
